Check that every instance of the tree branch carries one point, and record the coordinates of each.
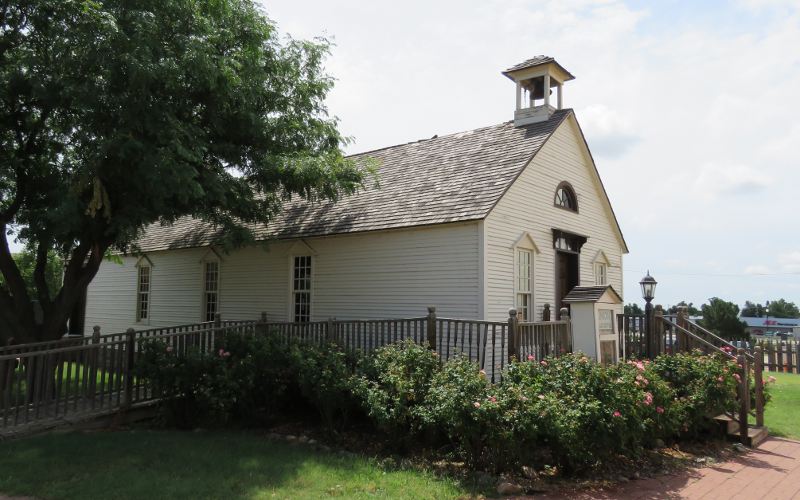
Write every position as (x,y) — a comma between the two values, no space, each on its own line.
(15,283)
(40,274)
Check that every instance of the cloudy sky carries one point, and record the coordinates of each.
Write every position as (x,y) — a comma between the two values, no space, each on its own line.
(692,115)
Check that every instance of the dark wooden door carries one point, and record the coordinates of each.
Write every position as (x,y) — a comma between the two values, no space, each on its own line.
(567,276)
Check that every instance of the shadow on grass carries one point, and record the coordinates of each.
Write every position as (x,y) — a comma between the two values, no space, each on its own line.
(167,464)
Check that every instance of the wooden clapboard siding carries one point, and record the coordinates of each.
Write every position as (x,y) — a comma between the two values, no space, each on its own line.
(382,274)
(528,206)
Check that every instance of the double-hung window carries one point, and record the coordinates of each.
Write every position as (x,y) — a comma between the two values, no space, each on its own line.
(600,274)
(143,293)
(523,281)
(301,289)
(210,290)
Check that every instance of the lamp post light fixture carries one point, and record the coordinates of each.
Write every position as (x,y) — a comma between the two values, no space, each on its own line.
(648,285)
(766,320)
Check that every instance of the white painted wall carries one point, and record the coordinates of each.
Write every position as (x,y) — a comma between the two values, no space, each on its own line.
(360,276)
(528,206)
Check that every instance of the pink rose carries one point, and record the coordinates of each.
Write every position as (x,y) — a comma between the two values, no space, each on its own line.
(476,404)
(659,409)
(648,398)
(720,379)
(617,413)
(543,362)
(531,358)
(492,399)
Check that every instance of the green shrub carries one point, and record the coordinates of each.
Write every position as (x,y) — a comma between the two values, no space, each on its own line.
(267,375)
(588,412)
(393,383)
(705,386)
(479,418)
(324,378)
(194,386)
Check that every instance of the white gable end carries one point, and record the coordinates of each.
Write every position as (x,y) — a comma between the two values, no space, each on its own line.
(528,207)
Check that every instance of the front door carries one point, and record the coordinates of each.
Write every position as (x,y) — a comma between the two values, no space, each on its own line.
(567,277)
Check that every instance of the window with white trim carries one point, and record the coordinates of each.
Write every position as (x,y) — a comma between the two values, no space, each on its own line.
(301,289)
(143,293)
(523,282)
(210,290)
(600,273)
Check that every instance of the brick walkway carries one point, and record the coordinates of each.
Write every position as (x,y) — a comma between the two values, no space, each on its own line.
(772,471)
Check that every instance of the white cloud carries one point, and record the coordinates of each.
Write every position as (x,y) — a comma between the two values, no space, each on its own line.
(608,132)
(756,269)
(714,180)
(790,261)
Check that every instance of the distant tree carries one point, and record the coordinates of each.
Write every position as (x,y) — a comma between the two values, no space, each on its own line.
(722,318)
(752,310)
(633,309)
(693,311)
(782,309)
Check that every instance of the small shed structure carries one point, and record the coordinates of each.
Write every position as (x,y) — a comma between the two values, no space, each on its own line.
(593,310)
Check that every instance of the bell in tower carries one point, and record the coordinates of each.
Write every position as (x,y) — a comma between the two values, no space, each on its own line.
(535,79)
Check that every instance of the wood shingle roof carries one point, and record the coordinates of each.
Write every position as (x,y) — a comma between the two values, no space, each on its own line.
(451,178)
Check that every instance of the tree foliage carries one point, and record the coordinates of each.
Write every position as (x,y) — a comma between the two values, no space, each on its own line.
(693,311)
(779,308)
(116,114)
(722,318)
(633,309)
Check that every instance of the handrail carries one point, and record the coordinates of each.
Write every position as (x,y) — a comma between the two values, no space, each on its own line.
(696,337)
(720,339)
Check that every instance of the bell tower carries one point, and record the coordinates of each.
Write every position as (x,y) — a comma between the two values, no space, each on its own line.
(535,79)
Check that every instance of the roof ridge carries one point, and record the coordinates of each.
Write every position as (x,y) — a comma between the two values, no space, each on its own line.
(437,136)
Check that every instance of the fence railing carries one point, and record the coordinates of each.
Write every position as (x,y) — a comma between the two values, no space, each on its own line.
(76,377)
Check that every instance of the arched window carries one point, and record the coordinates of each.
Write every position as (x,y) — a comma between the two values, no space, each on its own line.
(565,197)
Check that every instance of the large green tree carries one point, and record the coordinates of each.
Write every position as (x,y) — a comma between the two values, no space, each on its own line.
(115,114)
(722,318)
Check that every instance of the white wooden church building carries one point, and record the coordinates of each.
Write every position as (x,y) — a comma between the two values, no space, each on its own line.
(474,223)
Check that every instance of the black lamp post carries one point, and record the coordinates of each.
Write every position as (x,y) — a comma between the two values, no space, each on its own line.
(648,285)
(766,321)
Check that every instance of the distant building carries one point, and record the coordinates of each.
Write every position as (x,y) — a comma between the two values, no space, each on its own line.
(770,326)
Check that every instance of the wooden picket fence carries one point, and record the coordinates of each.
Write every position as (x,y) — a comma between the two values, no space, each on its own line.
(72,379)
(779,356)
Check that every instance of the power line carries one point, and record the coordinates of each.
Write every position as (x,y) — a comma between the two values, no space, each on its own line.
(722,275)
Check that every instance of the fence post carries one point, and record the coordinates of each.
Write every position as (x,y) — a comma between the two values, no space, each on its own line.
(218,340)
(658,331)
(744,396)
(94,362)
(431,328)
(546,313)
(564,313)
(682,321)
(330,330)
(758,374)
(130,348)
(513,331)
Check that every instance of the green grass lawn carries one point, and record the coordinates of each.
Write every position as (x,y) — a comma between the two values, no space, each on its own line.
(169,464)
(781,414)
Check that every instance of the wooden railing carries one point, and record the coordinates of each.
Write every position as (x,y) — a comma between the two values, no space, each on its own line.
(46,382)
(546,338)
